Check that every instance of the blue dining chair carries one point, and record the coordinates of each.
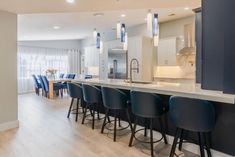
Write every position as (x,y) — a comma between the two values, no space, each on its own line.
(57,87)
(37,84)
(42,85)
(61,76)
(72,76)
(88,77)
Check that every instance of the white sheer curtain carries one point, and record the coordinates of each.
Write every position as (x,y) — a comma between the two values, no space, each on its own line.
(36,60)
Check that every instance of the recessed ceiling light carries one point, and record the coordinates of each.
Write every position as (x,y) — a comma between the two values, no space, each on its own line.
(70,1)
(123,15)
(56,27)
(98,14)
(186,8)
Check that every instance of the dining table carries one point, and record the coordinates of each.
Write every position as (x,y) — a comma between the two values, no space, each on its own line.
(51,85)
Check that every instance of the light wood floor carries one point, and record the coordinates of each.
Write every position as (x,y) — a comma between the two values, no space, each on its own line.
(46,132)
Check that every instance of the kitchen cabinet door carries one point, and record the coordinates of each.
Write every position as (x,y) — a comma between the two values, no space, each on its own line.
(167,50)
(91,57)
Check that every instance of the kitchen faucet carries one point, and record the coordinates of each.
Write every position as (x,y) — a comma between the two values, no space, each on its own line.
(132,68)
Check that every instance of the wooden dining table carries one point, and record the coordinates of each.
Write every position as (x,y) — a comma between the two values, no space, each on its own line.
(51,85)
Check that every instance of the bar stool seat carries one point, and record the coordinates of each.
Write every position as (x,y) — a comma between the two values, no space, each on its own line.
(192,115)
(93,98)
(148,106)
(75,92)
(116,100)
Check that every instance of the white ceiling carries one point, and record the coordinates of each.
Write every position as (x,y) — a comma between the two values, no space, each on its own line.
(38,25)
(53,6)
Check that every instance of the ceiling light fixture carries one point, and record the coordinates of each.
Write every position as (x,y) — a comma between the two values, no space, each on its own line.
(98,14)
(123,15)
(186,8)
(56,27)
(70,1)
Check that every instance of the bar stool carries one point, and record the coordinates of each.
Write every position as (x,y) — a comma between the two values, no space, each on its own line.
(93,98)
(192,115)
(116,100)
(75,92)
(150,107)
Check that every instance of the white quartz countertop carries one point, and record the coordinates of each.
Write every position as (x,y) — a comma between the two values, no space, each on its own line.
(187,89)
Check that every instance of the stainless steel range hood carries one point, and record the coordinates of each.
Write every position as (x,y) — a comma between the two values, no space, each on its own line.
(189,40)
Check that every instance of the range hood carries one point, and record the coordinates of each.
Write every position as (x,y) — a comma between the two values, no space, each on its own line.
(189,40)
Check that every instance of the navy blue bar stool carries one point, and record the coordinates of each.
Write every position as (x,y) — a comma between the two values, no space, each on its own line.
(148,106)
(75,92)
(115,100)
(93,98)
(192,115)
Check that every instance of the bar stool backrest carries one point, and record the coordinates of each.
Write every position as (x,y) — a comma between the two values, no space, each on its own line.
(192,114)
(146,105)
(114,98)
(75,90)
(91,94)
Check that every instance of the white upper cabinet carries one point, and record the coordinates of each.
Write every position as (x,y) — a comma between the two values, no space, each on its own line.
(91,57)
(141,48)
(167,51)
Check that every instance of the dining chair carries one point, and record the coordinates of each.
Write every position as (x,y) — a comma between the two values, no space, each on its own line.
(37,84)
(57,87)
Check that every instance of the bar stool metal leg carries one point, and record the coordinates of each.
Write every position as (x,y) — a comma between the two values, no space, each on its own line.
(201,145)
(106,115)
(181,139)
(84,115)
(163,131)
(115,127)
(93,117)
(133,133)
(146,127)
(151,137)
(129,119)
(77,110)
(207,143)
(70,108)
(175,142)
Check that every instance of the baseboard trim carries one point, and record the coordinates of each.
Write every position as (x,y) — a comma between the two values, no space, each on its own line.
(9,125)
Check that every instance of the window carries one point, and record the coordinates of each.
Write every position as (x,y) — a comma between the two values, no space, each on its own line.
(34,60)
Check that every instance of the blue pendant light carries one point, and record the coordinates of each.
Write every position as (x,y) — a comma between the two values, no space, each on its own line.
(155,30)
(98,41)
(123,33)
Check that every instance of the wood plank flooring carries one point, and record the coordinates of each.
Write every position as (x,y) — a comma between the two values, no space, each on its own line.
(46,132)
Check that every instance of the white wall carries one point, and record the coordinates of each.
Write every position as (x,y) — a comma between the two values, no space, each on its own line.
(175,28)
(8,71)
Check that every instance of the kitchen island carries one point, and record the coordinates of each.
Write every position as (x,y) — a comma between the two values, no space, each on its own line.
(223,136)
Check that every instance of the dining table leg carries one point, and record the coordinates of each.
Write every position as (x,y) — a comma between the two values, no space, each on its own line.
(51,89)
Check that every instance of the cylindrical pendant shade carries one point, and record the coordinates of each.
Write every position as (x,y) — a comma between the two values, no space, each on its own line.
(155,25)
(155,30)
(118,30)
(98,41)
(123,33)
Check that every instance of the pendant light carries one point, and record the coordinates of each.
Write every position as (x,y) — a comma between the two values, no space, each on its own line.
(155,30)
(123,32)
(95,33)
(150,23)
(118,30)
(98,41)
